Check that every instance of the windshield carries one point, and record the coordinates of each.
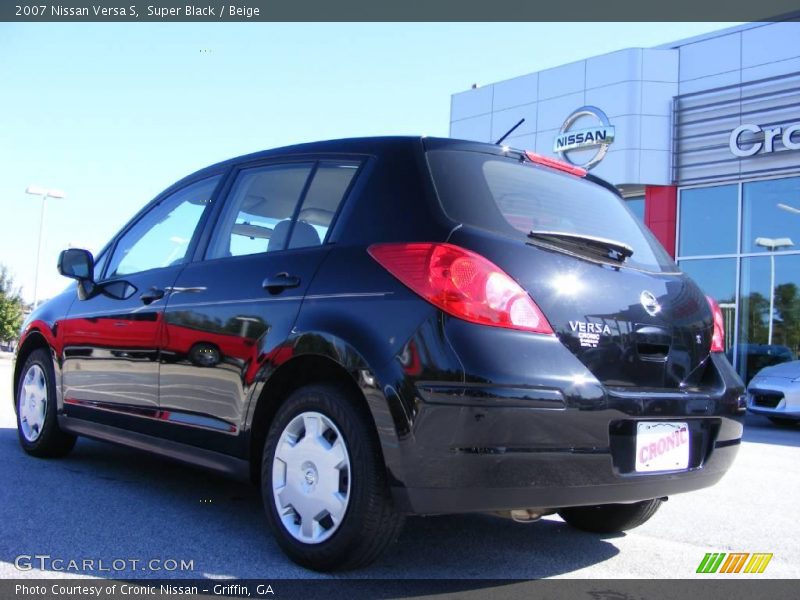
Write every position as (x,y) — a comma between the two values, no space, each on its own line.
(516,198)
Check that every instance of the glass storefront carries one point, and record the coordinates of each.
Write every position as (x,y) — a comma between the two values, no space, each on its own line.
(770,209)
(747,233)
(711,214)
(636,204)
(717,277)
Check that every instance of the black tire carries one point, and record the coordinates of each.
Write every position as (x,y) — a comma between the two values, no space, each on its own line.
(610,518)
(370,522)
(51,442)
(783,421)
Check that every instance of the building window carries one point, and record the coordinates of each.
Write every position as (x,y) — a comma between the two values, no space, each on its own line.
(763,255)
(771,215)
(768,337)
(708,221)
(717,278)
(636,204)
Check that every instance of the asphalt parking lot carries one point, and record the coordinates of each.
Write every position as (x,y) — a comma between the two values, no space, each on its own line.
(105,502)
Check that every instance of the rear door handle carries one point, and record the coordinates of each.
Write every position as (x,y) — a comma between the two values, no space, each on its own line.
(151,295)
(281,281)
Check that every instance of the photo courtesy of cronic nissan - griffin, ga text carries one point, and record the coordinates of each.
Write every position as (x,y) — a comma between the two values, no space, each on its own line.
(381,327)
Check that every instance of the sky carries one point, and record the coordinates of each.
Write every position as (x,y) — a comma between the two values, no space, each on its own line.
(114,113)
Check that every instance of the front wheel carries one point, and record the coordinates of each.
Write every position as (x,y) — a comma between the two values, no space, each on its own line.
(37,423)
(323,482)
(610,518)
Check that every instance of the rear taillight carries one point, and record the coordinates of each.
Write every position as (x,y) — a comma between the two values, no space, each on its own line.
(463,284)
(718,337)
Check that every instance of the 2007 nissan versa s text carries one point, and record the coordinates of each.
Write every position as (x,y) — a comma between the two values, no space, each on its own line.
(372,328)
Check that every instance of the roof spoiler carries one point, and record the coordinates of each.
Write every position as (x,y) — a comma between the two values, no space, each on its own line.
(546,161)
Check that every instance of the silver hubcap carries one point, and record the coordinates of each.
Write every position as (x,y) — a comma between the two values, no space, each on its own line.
(311,478)
(32,403)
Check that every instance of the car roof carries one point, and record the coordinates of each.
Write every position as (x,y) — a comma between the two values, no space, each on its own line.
(368,145)
(357,145)
(335,146)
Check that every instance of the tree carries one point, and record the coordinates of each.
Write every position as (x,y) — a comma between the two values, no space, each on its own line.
(755,307)
(787,307)
(10,307)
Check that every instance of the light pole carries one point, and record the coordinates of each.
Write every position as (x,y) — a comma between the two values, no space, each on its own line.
(45,193)
(772,244)
(788,208)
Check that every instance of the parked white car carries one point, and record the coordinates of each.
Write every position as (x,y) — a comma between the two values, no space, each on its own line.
(775,393)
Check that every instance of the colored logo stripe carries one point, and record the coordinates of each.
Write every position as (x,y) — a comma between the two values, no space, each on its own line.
(734,562)
(713,562)
(758,563)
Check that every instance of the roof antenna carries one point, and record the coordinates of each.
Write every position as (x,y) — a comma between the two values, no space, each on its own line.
(510,131)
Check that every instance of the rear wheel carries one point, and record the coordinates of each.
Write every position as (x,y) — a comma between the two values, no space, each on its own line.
(37,424)
(610,518)
(323,482)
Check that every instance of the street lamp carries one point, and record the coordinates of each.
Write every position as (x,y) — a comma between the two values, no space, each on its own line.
(45,193)
(772,244)
(788,208)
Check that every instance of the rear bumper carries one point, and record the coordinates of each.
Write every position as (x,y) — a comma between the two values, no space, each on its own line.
(551,481)
(557,441)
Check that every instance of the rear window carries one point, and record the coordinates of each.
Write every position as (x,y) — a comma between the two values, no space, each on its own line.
(506,196)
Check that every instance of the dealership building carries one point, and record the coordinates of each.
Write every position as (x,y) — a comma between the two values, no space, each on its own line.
(702,136)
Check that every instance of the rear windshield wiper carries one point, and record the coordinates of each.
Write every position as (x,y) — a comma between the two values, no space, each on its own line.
(618,251)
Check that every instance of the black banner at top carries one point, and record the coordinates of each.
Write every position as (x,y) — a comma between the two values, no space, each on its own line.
(394,10)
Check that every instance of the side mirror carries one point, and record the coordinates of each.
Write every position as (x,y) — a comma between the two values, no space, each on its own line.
(76,263)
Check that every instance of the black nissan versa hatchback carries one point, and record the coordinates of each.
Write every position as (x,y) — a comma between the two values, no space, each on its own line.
(373,328)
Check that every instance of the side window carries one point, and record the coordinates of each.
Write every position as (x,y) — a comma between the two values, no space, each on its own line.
(259,210)
(161,238)
(331,182)
(99,263)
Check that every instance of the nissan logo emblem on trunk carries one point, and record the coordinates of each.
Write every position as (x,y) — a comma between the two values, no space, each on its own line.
(650,303)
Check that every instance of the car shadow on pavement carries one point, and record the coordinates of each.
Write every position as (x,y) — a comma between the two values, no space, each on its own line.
(107,502)
(760,430)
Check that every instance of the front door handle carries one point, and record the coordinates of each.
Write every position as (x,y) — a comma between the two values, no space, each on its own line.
(281,281)
(194,290)
(151,295)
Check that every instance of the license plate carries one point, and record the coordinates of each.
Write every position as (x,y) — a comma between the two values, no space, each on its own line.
(661,446)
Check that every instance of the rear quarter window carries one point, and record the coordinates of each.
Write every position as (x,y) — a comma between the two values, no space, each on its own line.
(513,198)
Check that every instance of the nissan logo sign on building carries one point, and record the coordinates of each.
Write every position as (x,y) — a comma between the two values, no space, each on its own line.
(584,137)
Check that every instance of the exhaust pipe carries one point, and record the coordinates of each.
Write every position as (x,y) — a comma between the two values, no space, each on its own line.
(524,515)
